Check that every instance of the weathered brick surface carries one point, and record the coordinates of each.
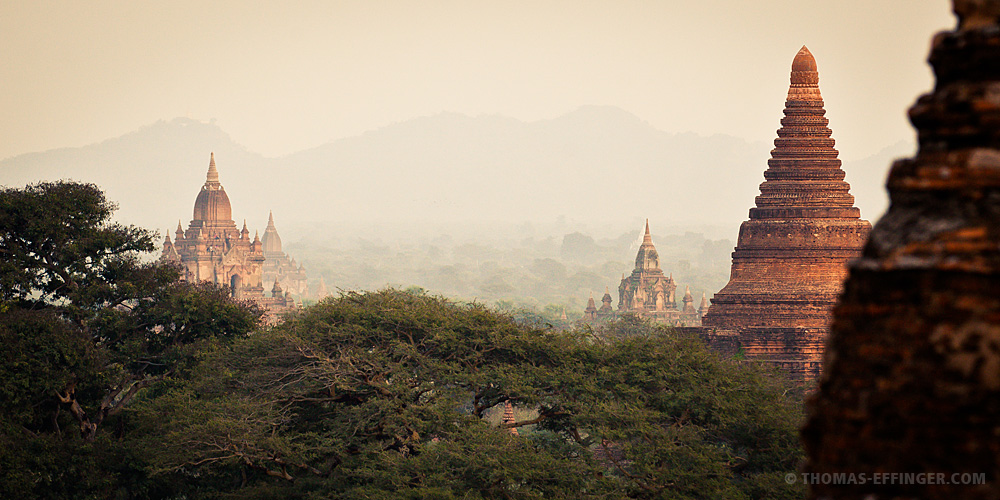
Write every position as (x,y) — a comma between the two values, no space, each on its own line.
(912,375)
(792,253)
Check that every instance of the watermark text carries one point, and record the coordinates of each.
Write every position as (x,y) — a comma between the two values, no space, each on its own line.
(880,478)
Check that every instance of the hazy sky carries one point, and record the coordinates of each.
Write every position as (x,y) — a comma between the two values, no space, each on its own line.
(284,76)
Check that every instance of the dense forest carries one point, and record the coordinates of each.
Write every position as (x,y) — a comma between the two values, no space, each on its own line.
(119,381)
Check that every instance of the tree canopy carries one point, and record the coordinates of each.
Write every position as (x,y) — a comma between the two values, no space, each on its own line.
(388,395)
(86,326)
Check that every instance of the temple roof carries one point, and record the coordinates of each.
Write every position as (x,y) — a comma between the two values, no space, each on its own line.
(804,178)
(212,203)
(271,240)
(647,258)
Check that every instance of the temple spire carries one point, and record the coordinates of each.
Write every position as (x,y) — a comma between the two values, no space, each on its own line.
(212,179)
(591,311)
(647,238)
(508,417)
(270,220)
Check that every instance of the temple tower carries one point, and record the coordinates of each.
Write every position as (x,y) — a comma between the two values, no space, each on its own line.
(590,313)
(647,292)
(212,249)
(688,302)
(278,265)
(606,311)
(508,417)
(912,380)
(792,253)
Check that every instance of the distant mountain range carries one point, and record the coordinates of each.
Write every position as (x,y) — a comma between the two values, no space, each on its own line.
(596,163)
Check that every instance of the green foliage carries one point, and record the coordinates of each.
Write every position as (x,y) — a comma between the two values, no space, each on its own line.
(58,246)
(386,394)
(87,326)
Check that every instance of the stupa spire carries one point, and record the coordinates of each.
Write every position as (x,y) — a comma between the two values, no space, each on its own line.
(803,177)
(591,311)
(213,173)
(508,417)
(646,238)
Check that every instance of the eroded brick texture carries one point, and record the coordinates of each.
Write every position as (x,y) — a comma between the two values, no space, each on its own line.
(912,376)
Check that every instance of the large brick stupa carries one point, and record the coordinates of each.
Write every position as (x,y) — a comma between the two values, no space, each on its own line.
(792,253)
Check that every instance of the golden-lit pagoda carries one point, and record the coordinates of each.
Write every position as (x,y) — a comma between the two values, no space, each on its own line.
(792,254)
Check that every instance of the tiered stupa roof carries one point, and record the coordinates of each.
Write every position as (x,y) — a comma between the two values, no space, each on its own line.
(791,255)
(508,417)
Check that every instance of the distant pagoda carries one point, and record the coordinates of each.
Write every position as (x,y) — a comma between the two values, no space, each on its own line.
(212,249)
(792,254)
(278,266)
(649,293)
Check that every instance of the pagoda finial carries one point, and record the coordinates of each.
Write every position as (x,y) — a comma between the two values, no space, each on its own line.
(804,77)
(646,238)
(213,173)
(270,220)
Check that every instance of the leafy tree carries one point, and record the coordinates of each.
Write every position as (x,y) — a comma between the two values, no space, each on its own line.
(386,395)
(86,325)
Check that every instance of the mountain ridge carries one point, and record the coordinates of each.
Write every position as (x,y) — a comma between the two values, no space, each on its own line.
(595,163)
